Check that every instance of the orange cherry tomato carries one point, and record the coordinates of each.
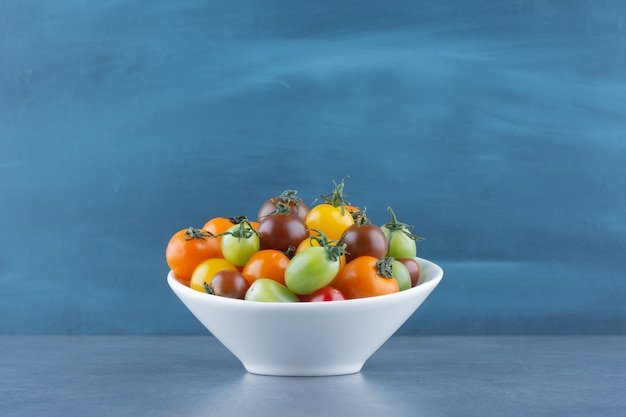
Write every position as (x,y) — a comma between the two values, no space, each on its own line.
(361,278)
(266,263)
(186,249)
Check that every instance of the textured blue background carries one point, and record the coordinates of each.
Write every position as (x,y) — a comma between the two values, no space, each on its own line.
(496,128)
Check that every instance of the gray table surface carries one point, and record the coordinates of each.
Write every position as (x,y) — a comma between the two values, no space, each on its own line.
(409,376)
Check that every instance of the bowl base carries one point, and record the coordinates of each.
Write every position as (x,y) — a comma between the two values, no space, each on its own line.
(303,372)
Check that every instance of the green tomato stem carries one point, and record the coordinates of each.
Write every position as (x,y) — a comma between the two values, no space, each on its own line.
(395,225)
(334,249)
(336,197)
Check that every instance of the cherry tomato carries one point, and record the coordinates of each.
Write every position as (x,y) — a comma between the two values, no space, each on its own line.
(414,269)
(282,230)
(268,290)
(218,225)
(400,241)
(186,249)
(228,283)
(364,238)
(206,270)
(266,263)
(239,243)
(331,217)
(288,197)
(333,221)
(315,241)
(323,294)
(312,268)
(366,276)
(401,275)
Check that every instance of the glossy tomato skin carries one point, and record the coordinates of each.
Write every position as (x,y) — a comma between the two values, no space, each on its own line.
(360,279)
(268,290)
(401,275)
(361,240)
(331,220)
(216,226)
(206,270)
(228,283)
(307,243)
(310,270)
(323,294)
(413,267)
(282,232)
(239,249)
(266,263)
(186,249)
(400,245)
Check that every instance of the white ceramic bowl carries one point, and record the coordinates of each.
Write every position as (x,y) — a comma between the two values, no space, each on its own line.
(308,338)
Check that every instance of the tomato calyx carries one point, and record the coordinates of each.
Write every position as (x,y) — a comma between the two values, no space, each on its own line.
(336,198)
(334,249)
(289,196)
(208,288)
(291,251)
(193,233)
(360,218)
(394,225)
(285,203)
(384,267)
(244,231)
(238,219)
(282,209)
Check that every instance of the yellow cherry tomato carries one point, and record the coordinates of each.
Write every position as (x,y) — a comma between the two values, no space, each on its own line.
(206,270)
(330,220)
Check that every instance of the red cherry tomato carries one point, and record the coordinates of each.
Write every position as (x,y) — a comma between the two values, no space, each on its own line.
(323,294)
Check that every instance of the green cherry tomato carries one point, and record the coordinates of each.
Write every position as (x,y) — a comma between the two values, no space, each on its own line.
(402,275)
(239,243)
(399,245)
(311,269)
(268,290)
(400,240)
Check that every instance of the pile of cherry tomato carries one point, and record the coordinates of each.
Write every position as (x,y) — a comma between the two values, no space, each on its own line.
(292,253)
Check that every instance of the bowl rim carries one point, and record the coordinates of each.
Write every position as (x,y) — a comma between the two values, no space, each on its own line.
(435,274)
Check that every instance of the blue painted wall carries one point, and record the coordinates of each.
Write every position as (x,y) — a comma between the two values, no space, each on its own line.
(498,129)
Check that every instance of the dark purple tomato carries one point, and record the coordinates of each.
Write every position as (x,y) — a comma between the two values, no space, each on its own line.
(364,240)
(287,197)
(282,232)
(414,269)
(228,283)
